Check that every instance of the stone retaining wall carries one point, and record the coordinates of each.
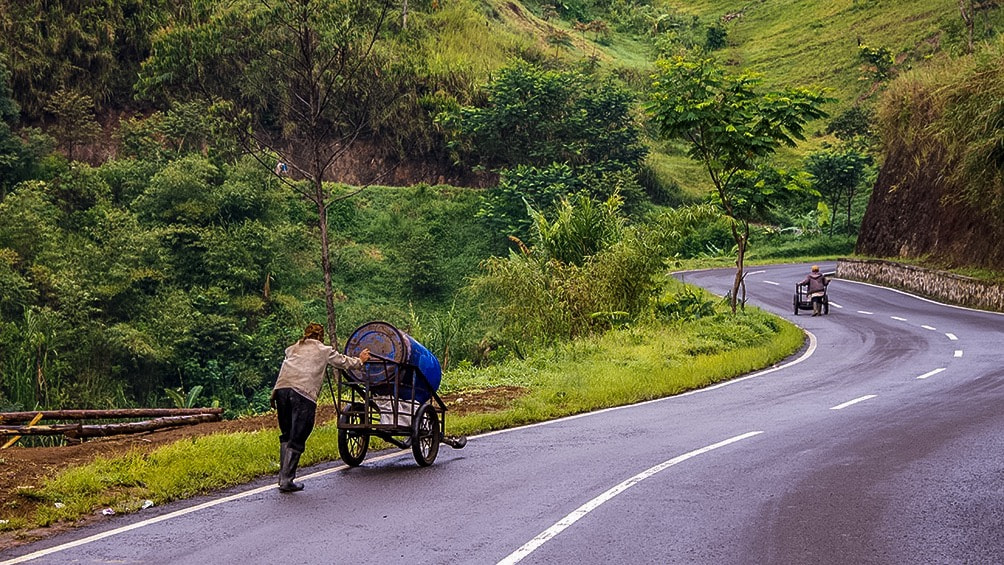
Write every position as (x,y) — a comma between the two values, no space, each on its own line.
(936,285)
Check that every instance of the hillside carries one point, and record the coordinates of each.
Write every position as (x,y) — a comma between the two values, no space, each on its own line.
(940,194)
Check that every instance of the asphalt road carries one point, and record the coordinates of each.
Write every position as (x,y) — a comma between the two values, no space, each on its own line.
(881,442)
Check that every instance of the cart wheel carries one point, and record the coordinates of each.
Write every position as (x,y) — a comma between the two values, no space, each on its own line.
(796,304)
(826,306)
(425,435)
(353,443)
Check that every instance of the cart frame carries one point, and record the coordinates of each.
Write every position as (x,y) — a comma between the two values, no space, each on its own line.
(362,408)
(802,301)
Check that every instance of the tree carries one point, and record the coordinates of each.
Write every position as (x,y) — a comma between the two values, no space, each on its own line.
(730,127)
(303,79)
(75,124)
(837,175)
(549,134)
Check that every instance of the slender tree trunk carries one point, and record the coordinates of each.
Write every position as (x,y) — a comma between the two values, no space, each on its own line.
(740,265)
(329,293)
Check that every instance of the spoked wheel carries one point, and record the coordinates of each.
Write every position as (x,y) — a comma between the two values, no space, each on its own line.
(826,306)
(353,443)
(425,435)
(796,304)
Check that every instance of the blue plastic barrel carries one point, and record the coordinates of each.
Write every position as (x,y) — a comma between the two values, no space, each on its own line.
(390,343)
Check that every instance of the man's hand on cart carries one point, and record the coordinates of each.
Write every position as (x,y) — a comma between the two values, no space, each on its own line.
(364,355)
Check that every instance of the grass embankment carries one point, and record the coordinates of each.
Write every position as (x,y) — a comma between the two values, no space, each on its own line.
(621,367)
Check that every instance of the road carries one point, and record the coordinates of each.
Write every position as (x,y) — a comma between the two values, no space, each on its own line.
(881,442)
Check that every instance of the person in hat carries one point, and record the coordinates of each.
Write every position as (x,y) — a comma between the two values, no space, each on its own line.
(816,287)
(294,396)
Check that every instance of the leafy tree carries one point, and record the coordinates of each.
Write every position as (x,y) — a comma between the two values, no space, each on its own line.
(538,117)
(303,77)
(837,175)
(550,134)
(730,127)
(852,125)
(75,124)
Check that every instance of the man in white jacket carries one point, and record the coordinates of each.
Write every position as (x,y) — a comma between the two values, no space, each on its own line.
(294,396)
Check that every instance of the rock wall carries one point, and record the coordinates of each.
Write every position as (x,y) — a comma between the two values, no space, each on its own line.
(937,285)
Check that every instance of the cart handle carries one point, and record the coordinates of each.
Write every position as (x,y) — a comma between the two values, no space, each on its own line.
(382,358)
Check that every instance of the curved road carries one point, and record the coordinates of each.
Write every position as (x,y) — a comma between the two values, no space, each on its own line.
(881,442)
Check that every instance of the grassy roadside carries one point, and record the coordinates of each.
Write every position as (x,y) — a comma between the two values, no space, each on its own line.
(621,367)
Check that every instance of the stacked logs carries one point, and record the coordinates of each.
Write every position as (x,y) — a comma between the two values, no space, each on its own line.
(25,423)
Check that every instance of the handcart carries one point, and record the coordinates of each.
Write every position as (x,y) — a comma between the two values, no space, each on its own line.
(393,397)
(804,302)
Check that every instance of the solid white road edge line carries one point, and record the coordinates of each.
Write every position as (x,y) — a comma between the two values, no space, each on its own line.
(931,373)
(42,553)
(855,401)
(175,514)
(580,512)
(808,353)
(903,292)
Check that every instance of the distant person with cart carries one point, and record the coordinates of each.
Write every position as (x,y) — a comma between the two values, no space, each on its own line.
(815,283)
(294,396)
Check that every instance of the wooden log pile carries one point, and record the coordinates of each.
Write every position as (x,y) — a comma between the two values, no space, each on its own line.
(26,423)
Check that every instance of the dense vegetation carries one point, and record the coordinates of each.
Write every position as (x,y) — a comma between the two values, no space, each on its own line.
(148,242)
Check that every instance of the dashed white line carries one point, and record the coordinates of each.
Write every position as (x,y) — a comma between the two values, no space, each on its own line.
(930,328)
(952,336)
(867,313)
(852,402)
(931,373)
(542,538)
(835,305)
(958,353)
(898,318)
(773,283)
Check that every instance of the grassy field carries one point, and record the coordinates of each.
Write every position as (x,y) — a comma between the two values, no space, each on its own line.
(810,43)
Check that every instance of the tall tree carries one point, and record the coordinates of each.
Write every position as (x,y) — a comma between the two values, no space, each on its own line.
(303,78)
(731,127)
(837,175)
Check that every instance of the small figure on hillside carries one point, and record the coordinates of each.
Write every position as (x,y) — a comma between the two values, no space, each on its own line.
(294,396)
(816,283)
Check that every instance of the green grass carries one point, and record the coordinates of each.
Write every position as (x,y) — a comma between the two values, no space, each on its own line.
(811,43)
(620,367)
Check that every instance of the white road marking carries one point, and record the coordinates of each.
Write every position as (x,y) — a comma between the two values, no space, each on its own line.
(755,272)
(931,373)
(930,328)
(855,401)
(580,512)
(865,312)
(773,283)
(951,336)
(177,513)
(898,318)
(835,305)
(958,353)
(928,300)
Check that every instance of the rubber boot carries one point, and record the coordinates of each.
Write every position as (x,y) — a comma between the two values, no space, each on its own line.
(287,472)
(282,457)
